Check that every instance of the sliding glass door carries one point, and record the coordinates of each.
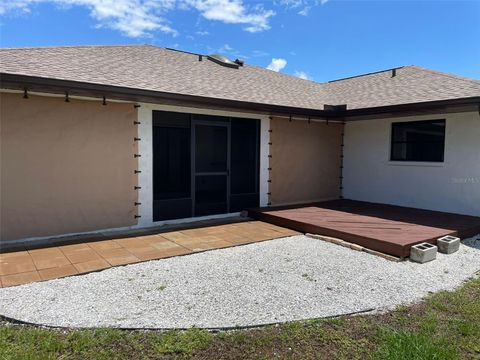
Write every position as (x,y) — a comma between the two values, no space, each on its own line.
(204,165)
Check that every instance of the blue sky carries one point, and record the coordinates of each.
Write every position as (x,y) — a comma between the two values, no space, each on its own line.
(321,40)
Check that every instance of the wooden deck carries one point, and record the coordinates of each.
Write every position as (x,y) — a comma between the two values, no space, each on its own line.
(386,228)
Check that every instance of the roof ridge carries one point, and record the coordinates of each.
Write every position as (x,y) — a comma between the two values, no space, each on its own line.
(453,76)
(74,46)
(282,73)
(366,74)
(183,51)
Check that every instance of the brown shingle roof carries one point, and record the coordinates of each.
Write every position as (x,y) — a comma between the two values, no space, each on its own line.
(411,84)
(152,68)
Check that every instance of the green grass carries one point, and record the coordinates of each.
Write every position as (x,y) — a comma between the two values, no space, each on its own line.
(409,345)
(445,326)
(174,342)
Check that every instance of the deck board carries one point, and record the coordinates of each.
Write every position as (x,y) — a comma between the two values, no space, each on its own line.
(386,228)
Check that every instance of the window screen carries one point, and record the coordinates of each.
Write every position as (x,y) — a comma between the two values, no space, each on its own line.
(418,141)
(171,155)
(244,156)
(245,141)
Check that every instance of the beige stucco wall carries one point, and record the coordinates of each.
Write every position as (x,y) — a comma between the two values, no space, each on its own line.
(65,167)
(305,161)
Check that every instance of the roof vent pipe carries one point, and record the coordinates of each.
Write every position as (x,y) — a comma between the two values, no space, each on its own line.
(394,72)
(239,62)
(222,60)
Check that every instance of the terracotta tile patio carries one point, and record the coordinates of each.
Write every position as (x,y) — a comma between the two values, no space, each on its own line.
(27,266)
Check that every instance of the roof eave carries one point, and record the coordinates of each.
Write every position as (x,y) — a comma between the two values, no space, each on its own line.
(472,102)
(59,86)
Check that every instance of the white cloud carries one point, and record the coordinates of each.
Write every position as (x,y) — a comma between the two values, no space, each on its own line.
(305,5)
(290,3)
(277,64)
(304,11)
(134,18)
(19,5)
(302,75)
(234,12)
(226,47)
(139,18)
(299,3)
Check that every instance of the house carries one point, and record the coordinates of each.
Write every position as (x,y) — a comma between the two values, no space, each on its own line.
(126,137)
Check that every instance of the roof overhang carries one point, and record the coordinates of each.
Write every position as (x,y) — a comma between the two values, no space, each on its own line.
(77,88)
(418,108)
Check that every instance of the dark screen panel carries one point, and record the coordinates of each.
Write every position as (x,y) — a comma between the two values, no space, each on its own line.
(172,209)
(244,167)
(210,118)
(171,162)
(171,119)
(244,156)
(242,202)
(171,166)
(210,194)
(211,148)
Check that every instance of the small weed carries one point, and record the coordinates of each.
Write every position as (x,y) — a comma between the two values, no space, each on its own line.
(308,277)
(187,342)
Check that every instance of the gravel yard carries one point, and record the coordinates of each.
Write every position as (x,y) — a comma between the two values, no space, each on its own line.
(273,281)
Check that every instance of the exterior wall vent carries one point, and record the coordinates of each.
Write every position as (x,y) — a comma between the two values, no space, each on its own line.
(223,60)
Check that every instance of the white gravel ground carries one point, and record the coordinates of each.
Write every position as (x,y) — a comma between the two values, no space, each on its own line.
(274,281)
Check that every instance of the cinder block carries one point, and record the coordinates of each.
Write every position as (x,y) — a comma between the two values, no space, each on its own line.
(423,252)
(448,244)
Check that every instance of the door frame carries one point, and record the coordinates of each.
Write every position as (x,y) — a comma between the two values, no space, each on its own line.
(193,148)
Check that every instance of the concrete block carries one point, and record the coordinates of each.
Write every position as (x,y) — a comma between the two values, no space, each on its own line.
(448,244)
(423,252)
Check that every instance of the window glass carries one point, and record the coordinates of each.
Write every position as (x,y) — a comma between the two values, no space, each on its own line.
(418,141)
